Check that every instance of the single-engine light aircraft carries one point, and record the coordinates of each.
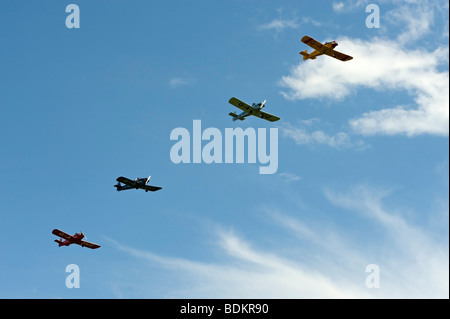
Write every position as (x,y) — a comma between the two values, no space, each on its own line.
(255,110)
(320,49)
(75,239)
(137,183)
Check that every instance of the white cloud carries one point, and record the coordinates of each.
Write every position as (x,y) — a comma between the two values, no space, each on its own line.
(413,21)
(279,24)
(341,6)
(386,65)
(414,265)
(381,65)
(309,20)
(338,6)
(322,260)
(302,137)
(249,273)
(289,177)
(179,81)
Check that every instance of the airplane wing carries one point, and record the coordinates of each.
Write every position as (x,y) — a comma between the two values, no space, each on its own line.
(267,116)
(152,188)
(133,184)
(126,181)
(234,115)
(316,45)
(123,187)
(338,55)
(239,104)
(89,245)
(61,234)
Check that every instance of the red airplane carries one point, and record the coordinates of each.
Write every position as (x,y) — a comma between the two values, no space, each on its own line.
(75,239)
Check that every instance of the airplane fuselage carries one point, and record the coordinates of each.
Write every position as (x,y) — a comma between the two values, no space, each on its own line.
(137,183)
(141,181)
(316,53)
(76,240)
(255,106)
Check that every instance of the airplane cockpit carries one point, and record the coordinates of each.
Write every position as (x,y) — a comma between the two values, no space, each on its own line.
(333,43)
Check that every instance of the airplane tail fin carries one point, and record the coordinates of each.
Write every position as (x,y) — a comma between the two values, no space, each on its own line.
(305,54)
(234,115)
(59,242)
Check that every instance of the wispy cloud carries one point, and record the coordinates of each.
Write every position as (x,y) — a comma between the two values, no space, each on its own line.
(338,6)
(413,21)
(410,20)
(304,134)
(279,24)
(348,5)
(322,260)
(248,273)
(289,177)
(421,264)
(309,20)
(180,81)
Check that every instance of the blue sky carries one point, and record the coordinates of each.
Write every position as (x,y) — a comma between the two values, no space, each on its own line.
(363,152)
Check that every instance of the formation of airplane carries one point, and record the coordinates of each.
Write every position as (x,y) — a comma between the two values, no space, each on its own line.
(320,49)
(138,183)
(254,109)
(75,239)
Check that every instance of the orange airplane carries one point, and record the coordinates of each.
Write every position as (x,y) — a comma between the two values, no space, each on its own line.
(320,49)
